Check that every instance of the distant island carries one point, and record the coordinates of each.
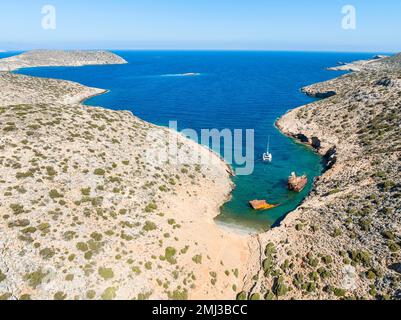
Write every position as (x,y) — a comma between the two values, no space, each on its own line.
(87,215)
(51,58)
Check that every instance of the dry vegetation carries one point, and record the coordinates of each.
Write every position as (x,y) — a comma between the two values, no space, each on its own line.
(86,214)
(344,241)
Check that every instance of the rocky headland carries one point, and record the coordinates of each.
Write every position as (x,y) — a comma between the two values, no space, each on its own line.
(344,241)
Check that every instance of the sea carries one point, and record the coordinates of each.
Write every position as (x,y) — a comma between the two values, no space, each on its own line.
(222,90)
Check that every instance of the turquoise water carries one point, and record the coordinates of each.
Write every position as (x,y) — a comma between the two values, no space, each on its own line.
(236,90)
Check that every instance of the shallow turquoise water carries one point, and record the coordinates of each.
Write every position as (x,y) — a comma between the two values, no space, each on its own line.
(236,90)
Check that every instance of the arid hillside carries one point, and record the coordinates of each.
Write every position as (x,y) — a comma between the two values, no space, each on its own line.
(344,241)
(89,209)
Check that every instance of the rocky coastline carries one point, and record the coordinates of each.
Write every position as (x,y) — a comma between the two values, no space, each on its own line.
(88,210)
(343,242)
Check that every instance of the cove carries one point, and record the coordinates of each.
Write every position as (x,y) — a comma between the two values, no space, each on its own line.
(212,89)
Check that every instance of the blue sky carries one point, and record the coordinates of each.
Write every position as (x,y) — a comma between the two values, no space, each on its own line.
(202,24)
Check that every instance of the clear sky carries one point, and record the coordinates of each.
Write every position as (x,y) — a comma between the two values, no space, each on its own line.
(202,24)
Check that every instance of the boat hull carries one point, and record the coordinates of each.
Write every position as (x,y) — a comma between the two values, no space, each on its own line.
(261,205)
(297,184)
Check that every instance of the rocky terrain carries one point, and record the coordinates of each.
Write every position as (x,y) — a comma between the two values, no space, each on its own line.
(89,211)
(55,58)
(20,89)
(344,241)
(361,64)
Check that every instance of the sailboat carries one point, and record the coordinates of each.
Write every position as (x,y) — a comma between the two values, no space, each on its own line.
(267,156)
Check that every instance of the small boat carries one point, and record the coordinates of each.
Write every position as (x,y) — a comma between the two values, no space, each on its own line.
(267,156)
(296,183)
(262,205)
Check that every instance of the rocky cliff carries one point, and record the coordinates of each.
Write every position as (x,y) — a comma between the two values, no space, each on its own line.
(344,240)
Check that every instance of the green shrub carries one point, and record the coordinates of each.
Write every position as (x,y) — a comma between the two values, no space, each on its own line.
(86,191)
(99,172)
(51,172)
(47,253)
(197,259)
(106,273)
(35,279)
(327,259)
(359,256)
(178,294)
(279,287)
(270,249)
(389,235)
(170,254)
(394,247)
(136,270)
(242,296)
(96,236)
(149,226)
(90,294)
(60,296)
(267,265)
(337,232)
(309,287)
(54,194)
(255,296)
(339,292)
(151,207)
(323,273)
(82,246)
(17,208)
(2,276)
(109,294)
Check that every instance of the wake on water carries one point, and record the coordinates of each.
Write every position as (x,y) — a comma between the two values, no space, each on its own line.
(189,74)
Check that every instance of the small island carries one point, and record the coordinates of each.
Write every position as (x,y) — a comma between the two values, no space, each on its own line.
(54,58)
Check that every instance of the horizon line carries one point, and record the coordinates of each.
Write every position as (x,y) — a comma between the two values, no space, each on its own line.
(202,50)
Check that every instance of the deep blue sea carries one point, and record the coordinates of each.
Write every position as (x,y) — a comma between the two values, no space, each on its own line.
(235,90)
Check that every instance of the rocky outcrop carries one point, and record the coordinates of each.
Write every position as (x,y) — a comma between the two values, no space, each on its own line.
(344,240)
(19,89)
(372,64)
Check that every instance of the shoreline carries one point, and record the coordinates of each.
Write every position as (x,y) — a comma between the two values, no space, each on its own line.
(234,229)
(219,245)
(343,216)
(105,91)
(315,238)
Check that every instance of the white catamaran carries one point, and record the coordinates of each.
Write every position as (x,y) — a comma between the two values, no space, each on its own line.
(267,156)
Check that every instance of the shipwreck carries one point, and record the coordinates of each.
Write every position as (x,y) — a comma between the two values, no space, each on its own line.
(296,183)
